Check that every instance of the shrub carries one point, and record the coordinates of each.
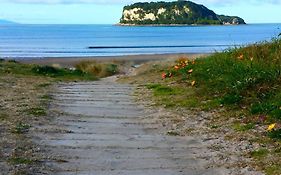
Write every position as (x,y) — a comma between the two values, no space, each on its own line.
(45,70)
(97,69)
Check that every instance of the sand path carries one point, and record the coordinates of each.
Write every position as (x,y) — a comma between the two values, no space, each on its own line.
(100,131)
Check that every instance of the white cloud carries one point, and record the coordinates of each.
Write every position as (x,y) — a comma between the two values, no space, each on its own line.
(122,2)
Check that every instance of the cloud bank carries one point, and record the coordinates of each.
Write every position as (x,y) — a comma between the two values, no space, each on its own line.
(122,2)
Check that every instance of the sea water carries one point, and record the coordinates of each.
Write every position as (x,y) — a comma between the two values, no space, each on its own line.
(39,41)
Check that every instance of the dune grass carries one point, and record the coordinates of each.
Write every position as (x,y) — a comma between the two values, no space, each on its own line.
(248,78)
(97,68)
(16,68)
(243,84)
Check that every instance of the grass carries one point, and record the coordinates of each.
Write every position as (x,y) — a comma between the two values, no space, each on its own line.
(243,127)
(20,160)
(21,128)
(61,74)
(261,153)
(37,111)
(241,85)
(172,96)
(240,78)
(98,69)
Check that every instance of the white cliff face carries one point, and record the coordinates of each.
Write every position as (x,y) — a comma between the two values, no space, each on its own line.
(135,14)
(132,14)
(161,10)
(150,16)
(177,11)
(186,9)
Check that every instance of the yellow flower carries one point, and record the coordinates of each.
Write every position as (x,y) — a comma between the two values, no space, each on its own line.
(193,83)
(252,58)
(271,127)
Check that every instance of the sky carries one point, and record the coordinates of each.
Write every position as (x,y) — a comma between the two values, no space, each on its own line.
(109,11)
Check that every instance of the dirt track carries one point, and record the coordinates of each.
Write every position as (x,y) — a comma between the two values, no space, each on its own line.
(101,130)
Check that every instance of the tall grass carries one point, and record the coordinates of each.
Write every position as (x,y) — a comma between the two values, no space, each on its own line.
(97,69)
(14,67)
(248,77)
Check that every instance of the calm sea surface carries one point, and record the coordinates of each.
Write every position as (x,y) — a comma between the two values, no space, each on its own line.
(21,41)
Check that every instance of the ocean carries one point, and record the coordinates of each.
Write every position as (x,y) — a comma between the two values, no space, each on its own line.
(39,41)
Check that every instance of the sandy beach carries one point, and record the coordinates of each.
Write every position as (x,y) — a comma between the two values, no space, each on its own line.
(136,59)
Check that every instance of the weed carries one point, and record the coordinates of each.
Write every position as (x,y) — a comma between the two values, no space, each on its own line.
(259,153)
(153,86)
(20,160)
(275,134)
(12,61)
(21,128)
(38,111)
(172,133)
(274,169)
(262,108)
(97,69)
(44,85)
(46,97)
(243,127)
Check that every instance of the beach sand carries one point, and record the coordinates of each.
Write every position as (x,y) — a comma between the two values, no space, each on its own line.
(134,59)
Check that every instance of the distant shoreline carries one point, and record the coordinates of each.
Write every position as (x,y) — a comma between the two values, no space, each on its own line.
(173,25)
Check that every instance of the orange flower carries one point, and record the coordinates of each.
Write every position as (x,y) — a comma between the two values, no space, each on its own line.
(193,62)
(176,67)
(190,71)
(164,75)
(241,57)
(193,83)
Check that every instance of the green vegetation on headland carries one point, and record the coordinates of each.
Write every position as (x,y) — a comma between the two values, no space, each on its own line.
(174,13)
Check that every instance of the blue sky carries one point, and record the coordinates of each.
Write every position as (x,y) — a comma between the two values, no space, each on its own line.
(109,11)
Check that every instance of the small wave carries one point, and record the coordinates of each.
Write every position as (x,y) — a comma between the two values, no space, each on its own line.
(148,47)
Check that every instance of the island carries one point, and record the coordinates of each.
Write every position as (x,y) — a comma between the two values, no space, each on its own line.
(174,13)
(6,22)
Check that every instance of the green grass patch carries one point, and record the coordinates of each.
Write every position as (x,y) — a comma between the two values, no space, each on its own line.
(38,111)
(21,128)
(14,67)
(261,153)
(246,79)
(46,97)
(172,96)
(273,169)
(20,160)
(97,69)
(275,134)
(243,127)
(44,85)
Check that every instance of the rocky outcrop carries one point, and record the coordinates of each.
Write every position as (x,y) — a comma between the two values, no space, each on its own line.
(174,13)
